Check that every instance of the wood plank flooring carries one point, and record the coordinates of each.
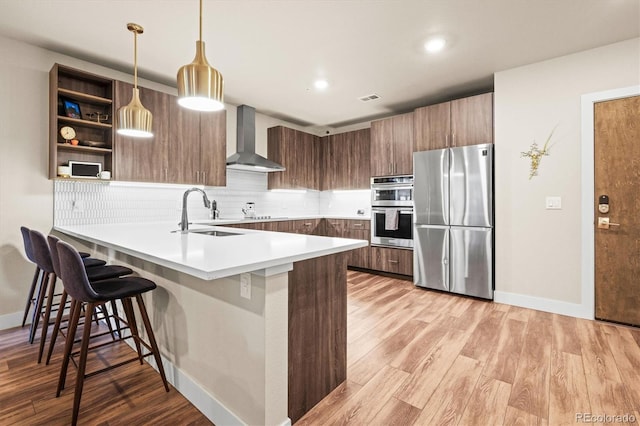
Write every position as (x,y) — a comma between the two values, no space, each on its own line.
(129,395)
(429,358)
(415,357)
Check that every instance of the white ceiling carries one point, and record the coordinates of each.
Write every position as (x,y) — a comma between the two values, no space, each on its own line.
(270,52)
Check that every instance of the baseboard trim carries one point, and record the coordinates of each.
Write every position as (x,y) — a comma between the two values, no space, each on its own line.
(213,409)
(12,320)
(541,304)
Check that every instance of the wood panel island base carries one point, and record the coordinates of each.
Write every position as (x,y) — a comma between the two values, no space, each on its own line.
(265,360)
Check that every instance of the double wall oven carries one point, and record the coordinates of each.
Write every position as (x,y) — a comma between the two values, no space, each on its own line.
(392,211)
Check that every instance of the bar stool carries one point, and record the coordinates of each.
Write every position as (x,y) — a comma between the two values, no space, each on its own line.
(76,283)
(94,274)
(29,252)
(42,256)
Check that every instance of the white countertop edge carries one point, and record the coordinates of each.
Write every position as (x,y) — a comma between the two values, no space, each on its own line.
(224,272)
(230,221)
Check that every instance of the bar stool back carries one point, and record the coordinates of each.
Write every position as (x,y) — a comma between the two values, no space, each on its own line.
(43,260)
(94,273)
(77,285)
(28,250)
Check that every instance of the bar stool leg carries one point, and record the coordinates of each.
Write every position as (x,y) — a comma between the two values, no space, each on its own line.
(152,339)
(47,315)
(34,283)
(42,290)
(82,363)
(68,346)
(116,318)
(133,326)
(56,326)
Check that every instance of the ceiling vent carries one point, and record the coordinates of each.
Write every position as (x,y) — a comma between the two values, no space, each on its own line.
(371,97)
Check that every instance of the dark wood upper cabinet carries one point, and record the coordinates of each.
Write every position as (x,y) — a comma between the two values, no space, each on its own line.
(299,153)
(392,145)
(346,160)
(143,159)
(461,122)
(213,148)
(433,126)
(472,120)
(187,146)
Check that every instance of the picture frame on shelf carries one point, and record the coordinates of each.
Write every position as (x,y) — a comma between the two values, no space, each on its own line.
(71,108)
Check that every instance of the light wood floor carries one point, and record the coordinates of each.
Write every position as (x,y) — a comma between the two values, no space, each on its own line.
(415,357)
(419,357)
(129,395)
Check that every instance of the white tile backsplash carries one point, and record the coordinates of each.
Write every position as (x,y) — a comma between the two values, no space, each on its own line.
(94,202)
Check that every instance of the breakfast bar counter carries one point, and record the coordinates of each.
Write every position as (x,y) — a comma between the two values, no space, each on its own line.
(265,356)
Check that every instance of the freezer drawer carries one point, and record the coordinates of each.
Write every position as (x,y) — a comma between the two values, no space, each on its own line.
(430,257)
(471,186)
(471,261)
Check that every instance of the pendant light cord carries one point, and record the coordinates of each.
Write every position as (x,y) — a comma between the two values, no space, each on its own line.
(200,20)
(135,59)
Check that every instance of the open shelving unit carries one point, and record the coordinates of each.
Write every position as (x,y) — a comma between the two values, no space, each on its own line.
(94,95)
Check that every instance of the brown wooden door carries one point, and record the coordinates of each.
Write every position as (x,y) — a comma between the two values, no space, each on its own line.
(381,154)
(432,126)
(403,145)
(143,159)
(213,148)
(472,120)
(617,175)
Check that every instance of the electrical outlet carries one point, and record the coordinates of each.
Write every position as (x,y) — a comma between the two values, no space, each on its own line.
(245,285)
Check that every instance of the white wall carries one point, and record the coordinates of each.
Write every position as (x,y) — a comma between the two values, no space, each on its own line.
(538,251)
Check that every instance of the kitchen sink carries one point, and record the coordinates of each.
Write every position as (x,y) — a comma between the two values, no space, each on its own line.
(214,233)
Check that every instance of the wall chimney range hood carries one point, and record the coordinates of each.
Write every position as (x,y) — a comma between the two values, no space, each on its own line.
(246,158)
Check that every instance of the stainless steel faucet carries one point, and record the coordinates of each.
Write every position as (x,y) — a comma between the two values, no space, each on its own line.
(184,224)
(214,213)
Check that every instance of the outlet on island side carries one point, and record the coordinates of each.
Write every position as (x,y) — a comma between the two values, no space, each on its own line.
(245,285)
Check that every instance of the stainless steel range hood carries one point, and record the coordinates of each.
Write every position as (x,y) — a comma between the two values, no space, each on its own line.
(246,158)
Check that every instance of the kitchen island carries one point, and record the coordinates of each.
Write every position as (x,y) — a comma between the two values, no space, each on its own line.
(266,359)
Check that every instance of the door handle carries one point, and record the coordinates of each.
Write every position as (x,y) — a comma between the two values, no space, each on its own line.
(604,223)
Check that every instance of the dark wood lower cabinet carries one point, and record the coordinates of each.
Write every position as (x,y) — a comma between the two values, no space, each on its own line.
(317,331)
(396,261)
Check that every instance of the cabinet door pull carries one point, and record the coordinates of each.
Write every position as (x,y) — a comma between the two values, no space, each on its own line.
(446,140)
(166,174)
(197,176)
(357,225)
(393,261)
(204,177)
(453,139)
(307,224)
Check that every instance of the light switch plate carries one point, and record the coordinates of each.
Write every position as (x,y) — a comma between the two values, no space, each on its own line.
(553,203)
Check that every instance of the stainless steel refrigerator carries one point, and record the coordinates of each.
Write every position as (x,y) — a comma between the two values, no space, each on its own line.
(453,220)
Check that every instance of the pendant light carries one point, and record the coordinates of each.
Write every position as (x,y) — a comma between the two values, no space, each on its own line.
(134,119)
(200,86)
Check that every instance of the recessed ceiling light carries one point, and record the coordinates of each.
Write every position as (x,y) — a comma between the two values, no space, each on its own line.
(321,84)
(435,45)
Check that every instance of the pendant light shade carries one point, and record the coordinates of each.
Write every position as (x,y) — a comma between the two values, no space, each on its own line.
(200,86)
(134,119)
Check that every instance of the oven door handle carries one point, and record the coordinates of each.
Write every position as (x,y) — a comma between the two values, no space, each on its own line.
(401,211)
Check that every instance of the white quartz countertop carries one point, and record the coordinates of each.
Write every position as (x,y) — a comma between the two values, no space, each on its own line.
(209,257)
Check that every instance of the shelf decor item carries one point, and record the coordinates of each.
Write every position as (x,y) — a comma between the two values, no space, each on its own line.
(71,108)
(200,86)
(134,119)
(98,117)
